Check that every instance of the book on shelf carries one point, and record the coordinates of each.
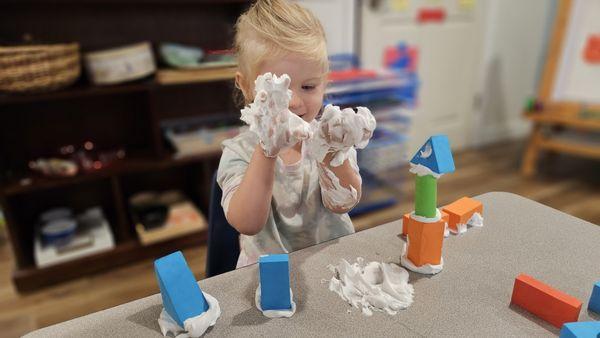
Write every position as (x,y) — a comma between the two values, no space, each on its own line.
(184,218)
(200,74)
(87,241)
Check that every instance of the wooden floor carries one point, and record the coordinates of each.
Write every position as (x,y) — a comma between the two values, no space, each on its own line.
(568,184)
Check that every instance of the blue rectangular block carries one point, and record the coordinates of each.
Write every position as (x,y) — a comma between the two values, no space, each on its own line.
(275,282)
(580,330)
(181,295)
(594,304)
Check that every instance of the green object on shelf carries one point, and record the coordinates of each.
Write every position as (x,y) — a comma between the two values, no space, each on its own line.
(425,196)
(530,104)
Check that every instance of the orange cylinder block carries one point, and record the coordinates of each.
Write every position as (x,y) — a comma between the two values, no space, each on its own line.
(425,242)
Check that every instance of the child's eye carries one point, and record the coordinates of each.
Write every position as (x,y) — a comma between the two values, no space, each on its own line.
(308,87)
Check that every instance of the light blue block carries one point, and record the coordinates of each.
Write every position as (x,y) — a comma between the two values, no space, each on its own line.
(580,330)
(594,304)
(275,282)
(436,155)
(181,295)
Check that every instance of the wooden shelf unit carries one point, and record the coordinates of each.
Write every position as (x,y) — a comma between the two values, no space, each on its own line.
(125,116)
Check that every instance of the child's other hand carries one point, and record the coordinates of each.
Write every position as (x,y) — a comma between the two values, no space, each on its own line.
(339,130)
(270,119)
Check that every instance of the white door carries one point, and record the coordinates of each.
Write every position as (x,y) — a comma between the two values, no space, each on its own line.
(448,62)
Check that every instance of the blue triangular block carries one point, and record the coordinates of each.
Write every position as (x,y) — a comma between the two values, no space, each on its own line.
(436,155)
(580,330)
(181,295)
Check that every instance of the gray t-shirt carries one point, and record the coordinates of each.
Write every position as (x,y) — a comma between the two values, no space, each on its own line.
(297,217)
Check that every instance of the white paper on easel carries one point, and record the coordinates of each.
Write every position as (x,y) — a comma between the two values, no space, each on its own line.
(579,80)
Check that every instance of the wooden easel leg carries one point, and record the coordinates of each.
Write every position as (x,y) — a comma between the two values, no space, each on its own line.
(530,158)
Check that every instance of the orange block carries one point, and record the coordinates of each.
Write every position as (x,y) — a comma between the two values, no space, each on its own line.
(406,221)
(461,210)
(544,301)
(425,242)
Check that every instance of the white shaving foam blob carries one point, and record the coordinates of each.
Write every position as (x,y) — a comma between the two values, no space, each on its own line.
(426,269)
(475,221)
(269,117)
(275,313)
(195,326)
(373,286)
(338,130)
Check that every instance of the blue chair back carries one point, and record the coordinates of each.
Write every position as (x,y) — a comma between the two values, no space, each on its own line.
(223,240)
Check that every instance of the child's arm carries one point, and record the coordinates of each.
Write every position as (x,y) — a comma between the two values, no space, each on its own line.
(249,206)
(342,192)
(276,129)
(335,137)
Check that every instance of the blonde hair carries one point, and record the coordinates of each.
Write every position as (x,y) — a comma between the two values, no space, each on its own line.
(273,28)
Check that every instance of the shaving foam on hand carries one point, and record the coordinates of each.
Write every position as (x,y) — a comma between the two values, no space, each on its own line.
(339,130)
(269,117)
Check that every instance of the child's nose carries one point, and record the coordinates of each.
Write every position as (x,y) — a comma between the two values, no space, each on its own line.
(295,102)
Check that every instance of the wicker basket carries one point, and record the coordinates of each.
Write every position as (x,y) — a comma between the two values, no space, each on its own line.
(41,68)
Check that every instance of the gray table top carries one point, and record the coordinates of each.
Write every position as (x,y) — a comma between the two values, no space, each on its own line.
(470,297)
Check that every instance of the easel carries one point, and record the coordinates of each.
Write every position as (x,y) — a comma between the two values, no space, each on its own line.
(555,116)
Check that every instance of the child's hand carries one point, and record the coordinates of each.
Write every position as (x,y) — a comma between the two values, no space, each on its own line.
(270,119)
(339,130)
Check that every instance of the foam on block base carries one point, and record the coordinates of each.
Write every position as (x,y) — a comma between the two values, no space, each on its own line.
(544,301)
(580,330)
(461,211)
(181,295)
(274,282)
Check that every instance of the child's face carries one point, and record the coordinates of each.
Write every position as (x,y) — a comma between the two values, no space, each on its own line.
(307,86)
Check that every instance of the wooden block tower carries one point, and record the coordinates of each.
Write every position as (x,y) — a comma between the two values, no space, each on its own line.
(425,226)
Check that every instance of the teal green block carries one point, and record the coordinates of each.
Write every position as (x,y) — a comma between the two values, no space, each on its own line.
(426,196)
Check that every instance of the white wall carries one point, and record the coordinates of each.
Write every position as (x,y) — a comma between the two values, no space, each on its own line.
(338,20)
(514,51)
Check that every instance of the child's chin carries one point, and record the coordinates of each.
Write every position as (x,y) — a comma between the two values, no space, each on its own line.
(306,118)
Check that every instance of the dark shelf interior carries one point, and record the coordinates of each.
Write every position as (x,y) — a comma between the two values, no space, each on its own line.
(127,116)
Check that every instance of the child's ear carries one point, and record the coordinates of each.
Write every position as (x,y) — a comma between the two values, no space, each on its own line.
(240,82)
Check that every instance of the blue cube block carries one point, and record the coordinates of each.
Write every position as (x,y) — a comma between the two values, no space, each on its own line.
(594,304)
(275,282)
(181,295)
(580,330)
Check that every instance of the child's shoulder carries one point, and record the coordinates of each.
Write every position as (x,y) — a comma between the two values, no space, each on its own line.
(243,144)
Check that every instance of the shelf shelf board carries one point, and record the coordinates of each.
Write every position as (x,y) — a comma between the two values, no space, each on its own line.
(78,90)
(82,89)
(565,114)
(32,278)
(130,165)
